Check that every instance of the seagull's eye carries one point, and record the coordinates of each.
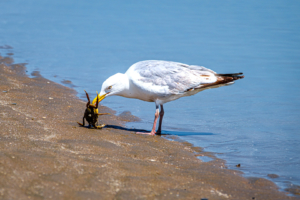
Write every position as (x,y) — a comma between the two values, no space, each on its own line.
(109,87)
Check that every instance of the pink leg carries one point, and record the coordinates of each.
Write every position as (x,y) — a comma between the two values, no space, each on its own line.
(154,124)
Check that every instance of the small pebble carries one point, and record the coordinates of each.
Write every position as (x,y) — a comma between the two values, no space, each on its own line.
(14,104)
(273,175)
(50,98)
(44,117)
(4,91)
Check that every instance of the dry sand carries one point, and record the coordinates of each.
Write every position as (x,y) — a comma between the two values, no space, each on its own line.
(46,155)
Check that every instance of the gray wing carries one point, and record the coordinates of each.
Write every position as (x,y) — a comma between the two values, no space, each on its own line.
(177,77)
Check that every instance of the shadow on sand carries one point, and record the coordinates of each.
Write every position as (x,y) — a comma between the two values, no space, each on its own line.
(177,133)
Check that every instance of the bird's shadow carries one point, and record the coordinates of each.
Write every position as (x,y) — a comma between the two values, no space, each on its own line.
(178,133)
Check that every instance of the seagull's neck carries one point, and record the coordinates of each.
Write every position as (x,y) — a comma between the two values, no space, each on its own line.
(125,91)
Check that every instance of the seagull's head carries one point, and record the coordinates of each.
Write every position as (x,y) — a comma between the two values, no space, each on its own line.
(114,85)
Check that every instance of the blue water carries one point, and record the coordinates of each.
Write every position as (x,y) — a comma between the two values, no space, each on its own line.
(254,122)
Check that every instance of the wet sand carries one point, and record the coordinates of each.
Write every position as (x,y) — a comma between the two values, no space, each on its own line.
(46,155)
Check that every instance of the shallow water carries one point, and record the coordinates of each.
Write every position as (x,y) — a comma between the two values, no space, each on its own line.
(254,123)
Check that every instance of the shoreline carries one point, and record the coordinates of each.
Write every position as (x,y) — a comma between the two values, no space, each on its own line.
(44,153)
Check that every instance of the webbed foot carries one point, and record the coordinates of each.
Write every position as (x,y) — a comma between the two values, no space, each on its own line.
(146,133)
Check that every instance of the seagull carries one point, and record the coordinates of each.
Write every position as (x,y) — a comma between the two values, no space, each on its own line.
(163,81)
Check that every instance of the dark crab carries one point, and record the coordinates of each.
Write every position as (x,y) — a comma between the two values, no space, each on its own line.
(91,114)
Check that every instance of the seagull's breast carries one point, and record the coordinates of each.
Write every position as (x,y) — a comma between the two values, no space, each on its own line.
(145,91)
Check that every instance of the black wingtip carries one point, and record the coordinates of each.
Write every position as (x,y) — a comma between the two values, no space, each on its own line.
(233,74)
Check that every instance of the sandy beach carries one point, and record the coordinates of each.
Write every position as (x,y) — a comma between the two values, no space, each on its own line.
(46,155)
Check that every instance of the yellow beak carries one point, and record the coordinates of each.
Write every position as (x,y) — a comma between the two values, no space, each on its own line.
(100,98)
